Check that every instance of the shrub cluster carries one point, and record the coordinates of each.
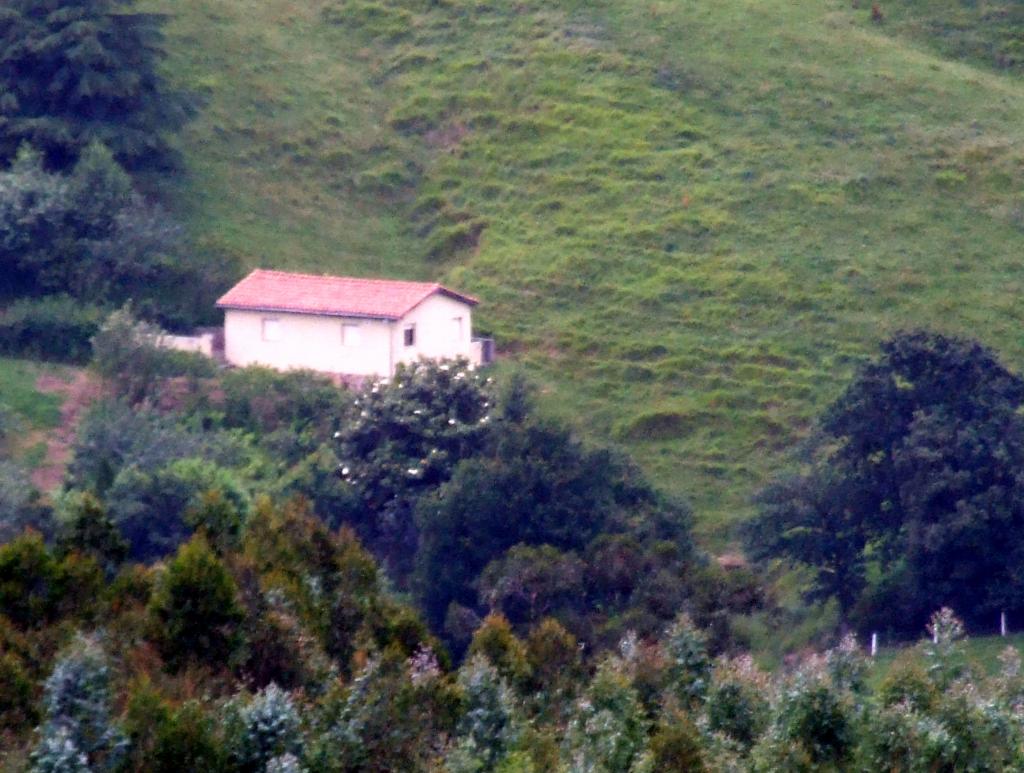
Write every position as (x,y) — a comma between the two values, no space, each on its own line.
(477,504)
(55,327)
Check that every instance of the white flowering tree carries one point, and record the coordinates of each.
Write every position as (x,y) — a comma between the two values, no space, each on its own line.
(404,437)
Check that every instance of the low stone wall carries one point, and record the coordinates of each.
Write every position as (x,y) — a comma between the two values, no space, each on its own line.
(202,343)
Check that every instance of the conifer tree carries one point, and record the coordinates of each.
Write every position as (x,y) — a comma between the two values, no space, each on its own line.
(488,727)
(265,730)
(75,71)
(89,530)
(195,611)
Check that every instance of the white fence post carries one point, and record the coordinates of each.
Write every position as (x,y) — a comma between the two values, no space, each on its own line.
(1002,624)
(874,644)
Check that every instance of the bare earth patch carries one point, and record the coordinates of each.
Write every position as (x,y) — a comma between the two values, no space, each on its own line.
(732,561)
(77,395)
(447,137)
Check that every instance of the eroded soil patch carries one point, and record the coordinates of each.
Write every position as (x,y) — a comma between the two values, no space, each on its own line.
(77,394)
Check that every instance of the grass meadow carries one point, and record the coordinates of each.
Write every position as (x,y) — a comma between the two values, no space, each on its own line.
(982,654)
(37,410)
(28,413)
(690,221)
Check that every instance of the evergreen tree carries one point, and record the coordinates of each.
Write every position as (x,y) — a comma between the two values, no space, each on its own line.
(77,71)
(79,732)
(608,730)
(90,531)
(89,234)
(21,506)
(390,717)
(488,728)
(264,730)
(57,753)
(813,726)
(169,738)
(32,583)
(194,611)
(690,666)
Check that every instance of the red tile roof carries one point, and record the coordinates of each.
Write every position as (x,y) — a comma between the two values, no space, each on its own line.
(338,296)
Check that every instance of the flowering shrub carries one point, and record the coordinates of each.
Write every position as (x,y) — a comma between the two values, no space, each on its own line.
(846,666)
(813,724)
(944,653)
(737,700)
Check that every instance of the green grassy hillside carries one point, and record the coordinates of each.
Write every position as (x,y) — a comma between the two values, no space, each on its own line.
(690,219)
(989,33)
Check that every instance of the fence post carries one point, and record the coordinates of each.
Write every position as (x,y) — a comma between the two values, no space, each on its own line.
(1002,624)
(874,644)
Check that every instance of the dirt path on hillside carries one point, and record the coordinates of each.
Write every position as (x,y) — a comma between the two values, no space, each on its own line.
(78,394)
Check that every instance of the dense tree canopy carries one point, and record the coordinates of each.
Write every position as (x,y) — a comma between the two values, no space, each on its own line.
(404,438)
(537,485)
(912,495)
(77,71)
(476,503)
(91,235)
(194,609)
(273,642)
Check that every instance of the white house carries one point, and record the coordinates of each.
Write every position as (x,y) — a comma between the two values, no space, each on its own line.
(343,325)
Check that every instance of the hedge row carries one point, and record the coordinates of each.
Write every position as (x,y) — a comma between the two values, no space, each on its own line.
(55,327)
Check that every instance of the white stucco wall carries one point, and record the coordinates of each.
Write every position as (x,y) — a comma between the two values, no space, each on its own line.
(201,344)
(315,342)
(307,341)
(435,330)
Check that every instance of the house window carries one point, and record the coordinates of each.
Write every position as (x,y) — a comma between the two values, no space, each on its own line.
(410,335)
(457,329)
(271,329)
(351,335)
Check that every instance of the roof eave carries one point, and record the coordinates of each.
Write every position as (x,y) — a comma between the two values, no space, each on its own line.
(467,299)
(312,312)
